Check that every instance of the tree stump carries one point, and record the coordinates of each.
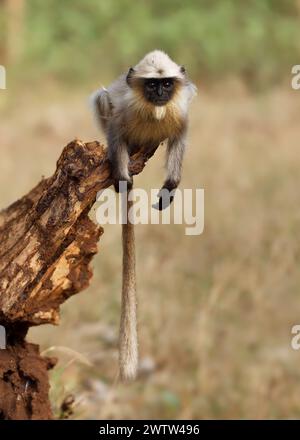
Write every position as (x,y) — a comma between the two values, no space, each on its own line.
(47,242)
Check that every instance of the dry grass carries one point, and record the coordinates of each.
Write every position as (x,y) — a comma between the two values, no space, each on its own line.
(215,310)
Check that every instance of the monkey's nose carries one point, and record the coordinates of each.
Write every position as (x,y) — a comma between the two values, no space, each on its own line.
(159,90)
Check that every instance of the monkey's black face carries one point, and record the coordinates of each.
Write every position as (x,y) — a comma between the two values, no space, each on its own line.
(159,91)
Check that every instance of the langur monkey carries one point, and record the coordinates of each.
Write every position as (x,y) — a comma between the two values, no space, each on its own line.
(142,108)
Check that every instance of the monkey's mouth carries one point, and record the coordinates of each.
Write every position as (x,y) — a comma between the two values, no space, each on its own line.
(159,101)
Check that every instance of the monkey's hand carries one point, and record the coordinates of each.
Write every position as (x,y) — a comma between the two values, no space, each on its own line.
(122,184)
(166,195)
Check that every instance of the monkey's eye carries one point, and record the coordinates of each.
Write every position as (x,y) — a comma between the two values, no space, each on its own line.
(168,84)
(151,85)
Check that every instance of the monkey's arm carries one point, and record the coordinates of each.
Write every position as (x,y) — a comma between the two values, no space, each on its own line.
(175,153)
(119,158)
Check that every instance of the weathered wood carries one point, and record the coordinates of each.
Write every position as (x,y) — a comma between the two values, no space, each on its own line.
(46,244)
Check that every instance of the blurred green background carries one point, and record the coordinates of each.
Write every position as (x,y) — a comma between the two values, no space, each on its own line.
(215,310)
(73,40)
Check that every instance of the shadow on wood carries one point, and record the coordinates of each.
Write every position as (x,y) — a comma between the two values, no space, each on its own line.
(46,244)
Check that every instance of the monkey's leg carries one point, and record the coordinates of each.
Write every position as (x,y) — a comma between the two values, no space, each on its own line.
(175,153)
(102,107)
(119,158)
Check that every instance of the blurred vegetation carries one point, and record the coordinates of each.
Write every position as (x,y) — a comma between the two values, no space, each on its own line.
(74,39)
(216,312)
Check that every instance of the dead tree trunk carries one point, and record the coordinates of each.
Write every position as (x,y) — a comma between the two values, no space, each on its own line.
(46,244)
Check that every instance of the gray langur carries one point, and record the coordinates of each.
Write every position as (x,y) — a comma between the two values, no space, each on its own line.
(142,108)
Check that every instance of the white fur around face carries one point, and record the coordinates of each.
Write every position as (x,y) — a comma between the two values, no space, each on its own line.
(157,64)
(159,112)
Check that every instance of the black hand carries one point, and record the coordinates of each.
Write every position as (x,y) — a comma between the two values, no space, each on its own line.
(166,195)
(122,185)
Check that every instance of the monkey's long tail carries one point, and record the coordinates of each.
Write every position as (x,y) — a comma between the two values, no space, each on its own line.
(128,351)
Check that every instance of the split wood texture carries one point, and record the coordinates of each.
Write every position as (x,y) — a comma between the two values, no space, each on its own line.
(47,241)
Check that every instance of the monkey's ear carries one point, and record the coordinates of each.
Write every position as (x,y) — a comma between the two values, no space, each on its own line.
(182,70)
(129,75)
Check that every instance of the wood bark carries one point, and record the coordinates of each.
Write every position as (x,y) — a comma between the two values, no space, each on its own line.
(47,241)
